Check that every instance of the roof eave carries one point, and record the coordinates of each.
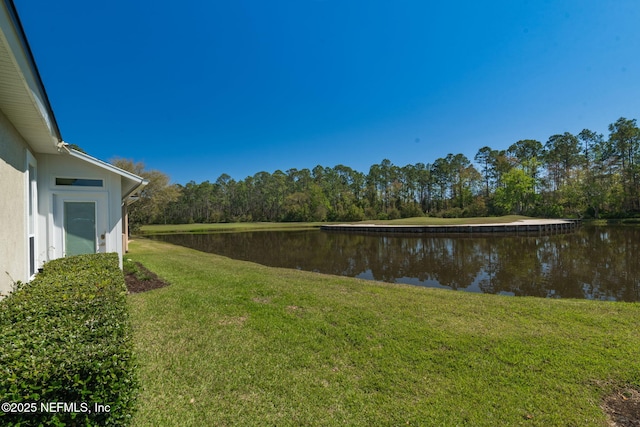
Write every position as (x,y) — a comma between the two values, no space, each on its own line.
(135,182)
(44,136)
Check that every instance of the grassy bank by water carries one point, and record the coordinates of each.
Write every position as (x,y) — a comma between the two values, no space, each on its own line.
(235,343)
(232,227)
(259,226)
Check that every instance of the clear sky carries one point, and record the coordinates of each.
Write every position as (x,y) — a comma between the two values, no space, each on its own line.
(200,88)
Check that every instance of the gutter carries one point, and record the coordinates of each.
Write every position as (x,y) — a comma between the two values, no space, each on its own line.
(131,196)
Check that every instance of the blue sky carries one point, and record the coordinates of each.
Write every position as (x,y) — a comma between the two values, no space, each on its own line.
(200,88)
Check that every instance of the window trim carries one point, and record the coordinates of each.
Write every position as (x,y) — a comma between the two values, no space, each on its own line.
(31,211)
(78,178)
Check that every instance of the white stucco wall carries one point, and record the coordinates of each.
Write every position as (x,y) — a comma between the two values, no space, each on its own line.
(108,198)
(13,233)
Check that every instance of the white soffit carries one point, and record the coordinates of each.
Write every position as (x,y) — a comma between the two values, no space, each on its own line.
(22,97)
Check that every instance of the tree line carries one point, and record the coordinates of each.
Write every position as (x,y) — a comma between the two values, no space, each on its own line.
(583,175)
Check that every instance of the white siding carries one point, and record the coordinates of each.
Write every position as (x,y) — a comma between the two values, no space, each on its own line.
(51,197)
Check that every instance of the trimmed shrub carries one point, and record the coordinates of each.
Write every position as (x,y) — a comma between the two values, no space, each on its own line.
(65,343)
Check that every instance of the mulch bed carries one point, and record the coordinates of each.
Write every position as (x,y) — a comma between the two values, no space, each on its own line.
(623,408)
(143,281)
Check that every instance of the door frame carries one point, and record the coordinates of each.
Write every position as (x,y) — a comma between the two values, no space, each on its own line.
(102,208)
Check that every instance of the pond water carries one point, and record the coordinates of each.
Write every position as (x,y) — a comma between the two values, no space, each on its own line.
(591,263)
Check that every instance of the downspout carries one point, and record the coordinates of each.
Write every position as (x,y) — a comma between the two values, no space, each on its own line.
(126,201)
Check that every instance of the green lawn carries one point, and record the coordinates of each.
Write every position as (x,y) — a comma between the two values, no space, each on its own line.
(232,343)
(258,226)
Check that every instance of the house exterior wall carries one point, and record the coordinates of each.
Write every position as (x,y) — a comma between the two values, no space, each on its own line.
(13,217)
(52,196)
(31,156)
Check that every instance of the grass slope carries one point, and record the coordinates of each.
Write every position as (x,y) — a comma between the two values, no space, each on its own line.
(235,343)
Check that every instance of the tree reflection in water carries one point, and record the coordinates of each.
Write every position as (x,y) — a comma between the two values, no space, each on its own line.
(591,263)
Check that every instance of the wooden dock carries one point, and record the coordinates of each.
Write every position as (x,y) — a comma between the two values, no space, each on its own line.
(528,226)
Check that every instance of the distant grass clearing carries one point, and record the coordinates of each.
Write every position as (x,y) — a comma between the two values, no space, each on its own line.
(262,226)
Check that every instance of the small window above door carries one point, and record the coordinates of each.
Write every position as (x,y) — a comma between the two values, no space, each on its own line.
(79,182)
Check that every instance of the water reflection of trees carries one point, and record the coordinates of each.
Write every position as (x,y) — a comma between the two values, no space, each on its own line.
(594,263)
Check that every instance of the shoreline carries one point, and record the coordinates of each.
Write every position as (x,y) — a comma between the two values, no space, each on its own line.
(524,225)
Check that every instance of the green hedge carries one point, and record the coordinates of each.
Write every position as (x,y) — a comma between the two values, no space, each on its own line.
(65,340)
